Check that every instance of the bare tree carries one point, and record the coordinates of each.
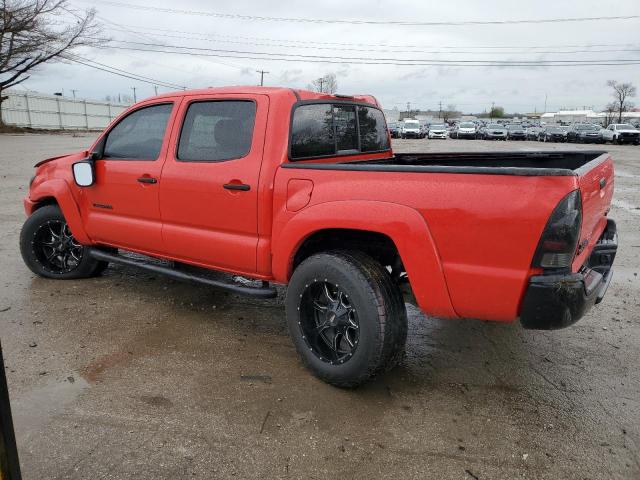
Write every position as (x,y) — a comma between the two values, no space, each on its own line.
(449,113)
(610,113)
(33,32)
(621,93)
(326,84)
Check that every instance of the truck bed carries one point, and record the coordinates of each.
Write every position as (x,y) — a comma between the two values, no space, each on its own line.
(536,163)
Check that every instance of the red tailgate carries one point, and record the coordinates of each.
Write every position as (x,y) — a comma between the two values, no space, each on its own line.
(595,180)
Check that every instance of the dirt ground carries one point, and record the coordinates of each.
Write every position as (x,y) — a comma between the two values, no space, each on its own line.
(132,375)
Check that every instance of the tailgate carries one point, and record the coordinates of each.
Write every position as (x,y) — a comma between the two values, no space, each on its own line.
(595,180)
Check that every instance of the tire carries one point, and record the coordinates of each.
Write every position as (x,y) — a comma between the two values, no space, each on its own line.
(48,224)
(373,297)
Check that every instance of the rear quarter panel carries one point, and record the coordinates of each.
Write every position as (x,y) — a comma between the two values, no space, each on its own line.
(484,230)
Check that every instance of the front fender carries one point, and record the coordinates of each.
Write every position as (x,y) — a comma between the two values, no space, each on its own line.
(59,189)
(404,225)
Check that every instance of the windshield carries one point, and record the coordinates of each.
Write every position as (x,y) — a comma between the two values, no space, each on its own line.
(620,126)
(412,124)
(515,127)
(495,125)
(438,127)
(587,127)
(555,130)
(467,125)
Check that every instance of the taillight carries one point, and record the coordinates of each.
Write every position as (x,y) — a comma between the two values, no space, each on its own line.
(557,245)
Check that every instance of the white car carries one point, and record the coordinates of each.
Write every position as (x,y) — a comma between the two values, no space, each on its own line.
(410,129)
(621,133)
(438,131)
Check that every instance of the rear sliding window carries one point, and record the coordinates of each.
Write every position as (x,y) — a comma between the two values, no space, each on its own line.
(324,129)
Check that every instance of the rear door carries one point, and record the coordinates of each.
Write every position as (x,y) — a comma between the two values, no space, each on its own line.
(209,185)
(122,207)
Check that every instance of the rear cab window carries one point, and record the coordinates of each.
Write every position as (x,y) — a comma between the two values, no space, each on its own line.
(333,129)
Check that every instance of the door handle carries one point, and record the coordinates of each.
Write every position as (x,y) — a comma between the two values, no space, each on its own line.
(237,186)
(147,180)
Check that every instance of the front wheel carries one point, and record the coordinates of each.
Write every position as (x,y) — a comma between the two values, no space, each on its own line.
(50,250)
(346,317)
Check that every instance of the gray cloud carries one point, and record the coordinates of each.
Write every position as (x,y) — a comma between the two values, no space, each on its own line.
(471,88)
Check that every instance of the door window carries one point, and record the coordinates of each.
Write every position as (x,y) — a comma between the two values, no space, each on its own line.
(139,135)
(217,130)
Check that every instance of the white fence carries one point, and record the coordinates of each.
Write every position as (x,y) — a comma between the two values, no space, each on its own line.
(35,110)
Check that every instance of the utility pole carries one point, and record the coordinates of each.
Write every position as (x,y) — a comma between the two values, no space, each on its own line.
(545,103)
(74,93)
(155,87)
(261,72)
(440,113)
(409,109)
(493,104)
(321,80)
(135,100)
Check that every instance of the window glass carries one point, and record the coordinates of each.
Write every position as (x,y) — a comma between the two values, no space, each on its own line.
(345,123)
(139,135)
(373,134)
(217,130)
(312,131)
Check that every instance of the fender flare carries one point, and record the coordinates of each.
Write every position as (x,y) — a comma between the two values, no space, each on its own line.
(405,226)
(60,191)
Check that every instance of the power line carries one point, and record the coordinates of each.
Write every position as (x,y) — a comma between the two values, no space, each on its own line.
(472,50)
(367,60)
(255,56)
(119,72)
(360,22)
(387,45)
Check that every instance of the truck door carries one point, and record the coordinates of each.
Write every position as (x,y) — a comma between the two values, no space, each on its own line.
(209,187)
(121,208)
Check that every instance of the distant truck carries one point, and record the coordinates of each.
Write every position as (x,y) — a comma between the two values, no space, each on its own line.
(300,188)
(411,129)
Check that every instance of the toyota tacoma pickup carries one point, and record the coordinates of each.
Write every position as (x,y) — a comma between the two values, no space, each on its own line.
(291,187)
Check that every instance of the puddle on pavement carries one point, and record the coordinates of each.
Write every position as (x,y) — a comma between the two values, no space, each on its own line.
(35,408)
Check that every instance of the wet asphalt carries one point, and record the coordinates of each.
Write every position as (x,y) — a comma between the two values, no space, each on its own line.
(132,375)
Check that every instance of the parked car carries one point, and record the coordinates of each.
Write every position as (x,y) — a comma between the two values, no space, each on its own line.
(394,130)
(515,132)
(621,133)
(465,130)
(584,133)
(411,129)
(494,131)
(533,132)
(438,130)
(553,133)
(284,186)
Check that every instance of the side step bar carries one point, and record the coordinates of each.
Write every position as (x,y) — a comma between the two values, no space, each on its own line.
(260,292)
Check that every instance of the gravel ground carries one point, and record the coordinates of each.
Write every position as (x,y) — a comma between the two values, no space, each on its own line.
(132,375)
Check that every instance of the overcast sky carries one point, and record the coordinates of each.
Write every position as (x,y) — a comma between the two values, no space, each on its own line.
(471,89)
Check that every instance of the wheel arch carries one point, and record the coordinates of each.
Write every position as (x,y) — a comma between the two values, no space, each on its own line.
(57,192)
(396,228)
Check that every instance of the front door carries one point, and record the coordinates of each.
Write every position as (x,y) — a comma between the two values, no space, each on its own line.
(121,208)
(209,184)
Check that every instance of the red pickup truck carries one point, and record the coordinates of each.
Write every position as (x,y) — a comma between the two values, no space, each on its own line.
(286,186)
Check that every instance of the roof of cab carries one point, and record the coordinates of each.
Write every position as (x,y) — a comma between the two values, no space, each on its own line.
(297,94)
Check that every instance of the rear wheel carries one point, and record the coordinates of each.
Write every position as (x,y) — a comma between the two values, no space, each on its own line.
(346,317)
(50,250)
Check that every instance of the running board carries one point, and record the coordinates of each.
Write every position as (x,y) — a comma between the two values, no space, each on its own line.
(260,292)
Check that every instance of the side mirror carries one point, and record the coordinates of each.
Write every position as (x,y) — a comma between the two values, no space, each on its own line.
(83,173)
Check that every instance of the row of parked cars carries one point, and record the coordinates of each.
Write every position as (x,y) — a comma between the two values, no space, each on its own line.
(577,133)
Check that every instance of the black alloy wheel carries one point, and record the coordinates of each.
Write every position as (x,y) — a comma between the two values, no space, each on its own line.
(328,322)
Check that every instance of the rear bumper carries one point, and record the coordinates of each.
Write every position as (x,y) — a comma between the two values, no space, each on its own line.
(559,300)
